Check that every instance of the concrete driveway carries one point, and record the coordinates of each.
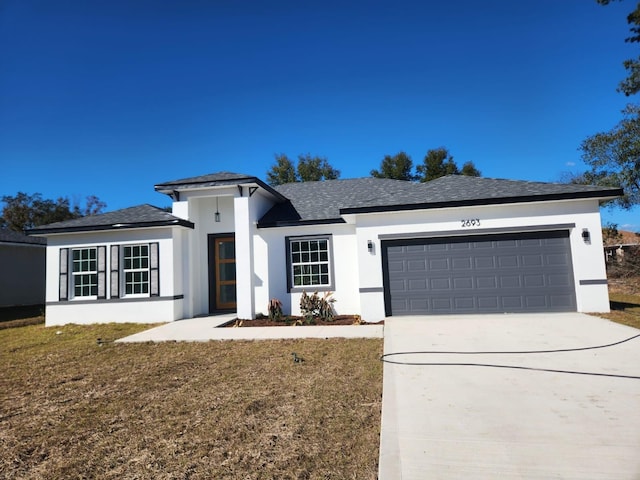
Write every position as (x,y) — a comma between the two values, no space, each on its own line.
(454,422)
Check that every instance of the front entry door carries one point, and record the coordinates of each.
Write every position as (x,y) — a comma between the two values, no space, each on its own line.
(222,273)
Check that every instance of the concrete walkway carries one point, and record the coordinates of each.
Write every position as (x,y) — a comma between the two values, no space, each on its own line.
(453,422)
(205,328)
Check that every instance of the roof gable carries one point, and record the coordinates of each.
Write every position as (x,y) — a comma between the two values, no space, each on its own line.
(212,180)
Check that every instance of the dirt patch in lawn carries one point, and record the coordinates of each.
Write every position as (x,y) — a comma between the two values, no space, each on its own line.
(72,408)
(298,321)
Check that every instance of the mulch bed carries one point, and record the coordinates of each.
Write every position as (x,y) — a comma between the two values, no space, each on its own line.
(290,320)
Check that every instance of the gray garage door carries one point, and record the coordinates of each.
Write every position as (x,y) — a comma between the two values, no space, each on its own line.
(528,272)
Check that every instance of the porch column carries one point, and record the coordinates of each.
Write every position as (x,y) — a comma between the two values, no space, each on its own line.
(244,257)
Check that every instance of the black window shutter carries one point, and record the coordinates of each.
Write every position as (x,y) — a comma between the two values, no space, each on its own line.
(154,269)
(102,272)
(63,289)
(115,271)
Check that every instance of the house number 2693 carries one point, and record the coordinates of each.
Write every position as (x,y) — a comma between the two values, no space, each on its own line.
(470,222)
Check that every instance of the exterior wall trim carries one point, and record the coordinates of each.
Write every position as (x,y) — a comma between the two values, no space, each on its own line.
(600,281)
(371,290)
(117,300)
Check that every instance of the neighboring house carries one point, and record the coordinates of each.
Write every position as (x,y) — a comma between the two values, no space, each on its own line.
(616,248)
(455,245)
(22,269)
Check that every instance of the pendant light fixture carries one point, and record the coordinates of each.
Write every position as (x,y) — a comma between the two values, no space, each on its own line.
(217,214)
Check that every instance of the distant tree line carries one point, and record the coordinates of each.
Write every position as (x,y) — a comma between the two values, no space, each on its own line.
(436,163)
(23,211)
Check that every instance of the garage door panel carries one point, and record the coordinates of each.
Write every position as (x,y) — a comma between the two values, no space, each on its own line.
(489,274)
(508,261)
(462,283)
(532,281)
(398,266)
(510,281)
(440,284)
(486,282)
(442,304)
(485,262)
(511,302)
(533,260)
(462,263)
(416,265)
(559,280)
(418,284)
(438,264)
(557,259)
(464,303)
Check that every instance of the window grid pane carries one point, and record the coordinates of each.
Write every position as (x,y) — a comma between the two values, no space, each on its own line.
(84,266)
(310,262)
(136,269)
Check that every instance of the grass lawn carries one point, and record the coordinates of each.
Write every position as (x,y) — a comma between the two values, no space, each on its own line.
(624,296)
(70,408)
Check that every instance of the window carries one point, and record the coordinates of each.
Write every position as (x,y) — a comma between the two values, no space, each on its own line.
(309,262)
(136,269)
(84,269)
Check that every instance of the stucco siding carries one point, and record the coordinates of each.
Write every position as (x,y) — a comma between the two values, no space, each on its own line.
(167,306)
(587,258)
(272,265)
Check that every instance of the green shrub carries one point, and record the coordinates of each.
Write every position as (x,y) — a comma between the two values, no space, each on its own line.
(314,307)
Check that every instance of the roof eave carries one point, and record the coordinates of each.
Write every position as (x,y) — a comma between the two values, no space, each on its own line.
(599,195)
(300,223)
(112,227)
(171,188)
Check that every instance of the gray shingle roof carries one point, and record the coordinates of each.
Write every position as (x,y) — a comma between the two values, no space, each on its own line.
(140,216)
(326,201)
(9,236)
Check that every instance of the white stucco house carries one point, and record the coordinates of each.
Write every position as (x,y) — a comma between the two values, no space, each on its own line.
(384,247)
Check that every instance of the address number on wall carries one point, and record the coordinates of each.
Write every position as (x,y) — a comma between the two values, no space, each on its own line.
(470,222)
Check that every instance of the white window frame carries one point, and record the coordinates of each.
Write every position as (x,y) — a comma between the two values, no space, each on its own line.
(81,274)
(309,257)
(133,270)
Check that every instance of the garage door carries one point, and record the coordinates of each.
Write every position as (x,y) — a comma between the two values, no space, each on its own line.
(526,272)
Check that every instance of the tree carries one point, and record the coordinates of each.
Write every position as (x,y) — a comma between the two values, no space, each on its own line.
(614,156)
(630,85)
(469,170)
(397,167)
(308,169)
(314,169)
(438,163)
(282,171)
(27,211)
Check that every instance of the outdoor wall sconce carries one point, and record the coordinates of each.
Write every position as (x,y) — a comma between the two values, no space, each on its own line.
(370,246)
(586,236)
(217,214)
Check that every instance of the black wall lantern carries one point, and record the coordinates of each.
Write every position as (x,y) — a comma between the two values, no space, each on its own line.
(370,246)
(586,236)
(217,214)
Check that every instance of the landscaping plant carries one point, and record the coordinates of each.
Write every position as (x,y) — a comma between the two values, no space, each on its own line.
(314,307)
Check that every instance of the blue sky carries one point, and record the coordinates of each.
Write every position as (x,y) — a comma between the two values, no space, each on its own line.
(112,97)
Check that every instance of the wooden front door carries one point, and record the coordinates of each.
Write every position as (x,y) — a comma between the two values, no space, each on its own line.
(222,273)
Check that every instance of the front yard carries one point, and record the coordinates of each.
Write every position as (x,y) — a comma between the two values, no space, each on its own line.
(71,408)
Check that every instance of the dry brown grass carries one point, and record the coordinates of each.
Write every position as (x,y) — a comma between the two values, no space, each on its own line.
(72,409)
(624,296)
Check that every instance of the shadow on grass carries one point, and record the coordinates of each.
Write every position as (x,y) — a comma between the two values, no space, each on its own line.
(621,306)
